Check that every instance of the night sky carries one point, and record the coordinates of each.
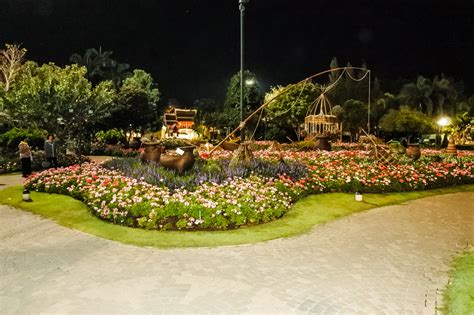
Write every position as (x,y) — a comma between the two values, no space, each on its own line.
(191,47)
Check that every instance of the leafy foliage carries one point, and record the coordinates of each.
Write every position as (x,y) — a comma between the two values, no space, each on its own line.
(100,66)
(12,137)
(461,128)
(111,136)
(354,115)
(289,107)
(251,97)
(138,100)
(406,120)
(60,100)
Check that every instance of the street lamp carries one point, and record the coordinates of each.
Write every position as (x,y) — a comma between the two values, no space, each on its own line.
(442,122)
(249,82)
(242,125)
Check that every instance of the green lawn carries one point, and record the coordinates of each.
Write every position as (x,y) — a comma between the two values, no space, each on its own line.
(459,295)
(305,214)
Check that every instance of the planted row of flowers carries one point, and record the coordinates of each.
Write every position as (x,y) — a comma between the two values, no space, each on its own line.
(140,196)
(122,200)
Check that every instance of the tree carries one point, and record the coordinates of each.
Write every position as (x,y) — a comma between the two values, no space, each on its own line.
(207,109)
(11,59)
(381,106)
(60,100)
(461,127)
(418,95)
(444,96)
(287,111)
(138,100)
(354,116)
(100,66)
(353,84)
(251,97)
(406,121)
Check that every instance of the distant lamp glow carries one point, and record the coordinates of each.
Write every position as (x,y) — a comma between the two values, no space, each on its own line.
(249,82)
(443,122)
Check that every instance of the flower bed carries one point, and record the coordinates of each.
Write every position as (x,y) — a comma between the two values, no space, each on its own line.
(114,197)
(214,195)
(10,163)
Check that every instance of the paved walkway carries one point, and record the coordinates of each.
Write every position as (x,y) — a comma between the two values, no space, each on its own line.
(391,260)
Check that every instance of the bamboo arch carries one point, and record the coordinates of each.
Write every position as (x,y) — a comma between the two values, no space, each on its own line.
(286,90)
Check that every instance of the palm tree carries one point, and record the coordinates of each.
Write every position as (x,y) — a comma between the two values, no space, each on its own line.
(116,72)
(100,66)
(444,96)
(95,62)
(418,95)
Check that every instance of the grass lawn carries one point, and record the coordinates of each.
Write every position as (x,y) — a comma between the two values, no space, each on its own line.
(459,295)
(305,214)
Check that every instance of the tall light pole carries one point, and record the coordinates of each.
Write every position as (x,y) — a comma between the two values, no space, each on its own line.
(242,125)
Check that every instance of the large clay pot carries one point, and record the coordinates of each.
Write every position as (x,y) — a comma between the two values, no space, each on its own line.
(151,153)
(451,147)
(413,151)
(229,146)
(178,162)
(322,143)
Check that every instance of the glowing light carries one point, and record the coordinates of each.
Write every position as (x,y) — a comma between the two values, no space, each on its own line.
(249,82)
(443,121)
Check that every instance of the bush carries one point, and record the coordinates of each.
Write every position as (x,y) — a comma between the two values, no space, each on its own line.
(173,143)
(10,163)
(12,137)
(111,136)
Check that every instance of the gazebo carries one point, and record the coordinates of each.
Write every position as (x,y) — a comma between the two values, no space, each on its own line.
(319,120)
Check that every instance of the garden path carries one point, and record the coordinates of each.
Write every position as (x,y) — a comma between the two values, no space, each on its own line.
(390,260)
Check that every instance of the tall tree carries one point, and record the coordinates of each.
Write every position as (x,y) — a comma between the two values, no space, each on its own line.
(138,99)
(100,66)
(418,95)
(11,59)
(251,97)
(354,116)
(444,96)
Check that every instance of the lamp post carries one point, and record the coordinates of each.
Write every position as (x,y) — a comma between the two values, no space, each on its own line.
(242,125)
(442,122)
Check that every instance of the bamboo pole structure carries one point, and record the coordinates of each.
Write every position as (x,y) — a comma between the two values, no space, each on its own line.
(286,90)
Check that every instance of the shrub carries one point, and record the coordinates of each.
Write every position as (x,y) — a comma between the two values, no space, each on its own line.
(173,143)
(12,137)
(111,136)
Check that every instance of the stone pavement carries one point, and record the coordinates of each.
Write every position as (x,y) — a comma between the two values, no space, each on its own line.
(390,260)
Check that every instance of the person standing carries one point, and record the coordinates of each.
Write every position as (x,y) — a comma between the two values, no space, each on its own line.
(25,156)
(51,151)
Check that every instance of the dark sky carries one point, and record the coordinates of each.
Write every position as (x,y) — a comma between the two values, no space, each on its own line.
(191,47)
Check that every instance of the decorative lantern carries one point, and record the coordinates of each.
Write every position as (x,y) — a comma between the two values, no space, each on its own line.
(358,196)
(26,195)
(319,120)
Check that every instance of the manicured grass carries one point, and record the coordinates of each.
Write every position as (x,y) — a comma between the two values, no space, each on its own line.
(459,295)
(305,214)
